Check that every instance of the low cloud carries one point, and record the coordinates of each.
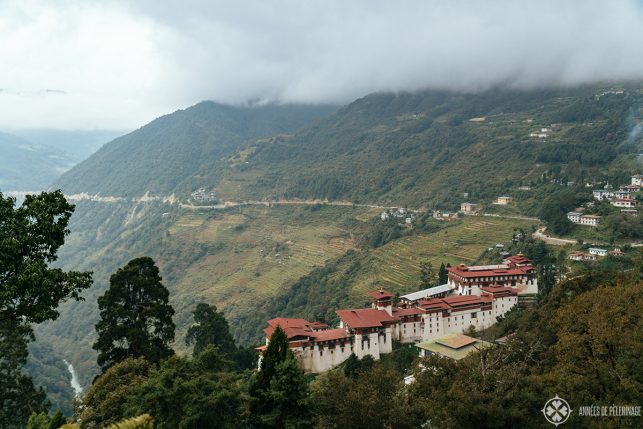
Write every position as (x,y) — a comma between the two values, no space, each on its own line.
(121,63)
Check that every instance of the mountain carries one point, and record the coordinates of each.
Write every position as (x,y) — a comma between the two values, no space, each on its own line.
(429,148)
(182,151)
(27,166)
(77,145)
(423,149)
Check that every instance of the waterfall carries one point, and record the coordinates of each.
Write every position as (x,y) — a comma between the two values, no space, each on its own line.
(78,390)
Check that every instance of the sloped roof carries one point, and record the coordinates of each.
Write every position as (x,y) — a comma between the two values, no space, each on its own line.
(364,317)
(454,346)
(425,293)
(330,334)
(501,290)
(380,294)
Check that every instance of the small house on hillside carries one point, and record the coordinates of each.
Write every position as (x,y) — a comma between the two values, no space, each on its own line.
(504,200)
(577,256)
(597,251)
(469,208)
(452,346)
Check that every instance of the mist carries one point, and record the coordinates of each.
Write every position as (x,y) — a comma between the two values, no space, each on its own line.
(118,64)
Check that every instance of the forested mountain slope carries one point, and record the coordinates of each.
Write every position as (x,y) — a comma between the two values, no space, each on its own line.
(427,148)
(181,151)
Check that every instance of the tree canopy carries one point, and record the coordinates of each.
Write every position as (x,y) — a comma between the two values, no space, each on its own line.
(30,292)
(136,317)
(210,327)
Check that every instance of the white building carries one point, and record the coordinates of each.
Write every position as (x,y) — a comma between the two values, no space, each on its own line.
(517,272)
(623,202)
(597,251)
(574,217)
(469,207)
(420,317)
(606,194)
(581,219)
(637,180)
(577,256)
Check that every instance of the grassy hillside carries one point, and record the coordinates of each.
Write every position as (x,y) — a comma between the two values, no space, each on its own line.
(182,151)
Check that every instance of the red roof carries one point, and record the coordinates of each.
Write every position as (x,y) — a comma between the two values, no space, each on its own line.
(518,259)
(364,318)
(500,290)
(464,272)
(458,301)
(318,325)
(293,327)
(380,294)
(398,312)
(331,334)
(453,302)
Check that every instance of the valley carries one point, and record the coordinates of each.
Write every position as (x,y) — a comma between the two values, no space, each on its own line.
(294,228)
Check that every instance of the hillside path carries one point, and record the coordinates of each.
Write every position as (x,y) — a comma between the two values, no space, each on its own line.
(540,235)
(227,204)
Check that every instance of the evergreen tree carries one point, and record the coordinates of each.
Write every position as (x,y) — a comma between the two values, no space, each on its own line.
(30,292)
(279,391)
(57,420)
(443,274)
(193,393)
(427,274)
(210,327)
(136,318)
(109,398)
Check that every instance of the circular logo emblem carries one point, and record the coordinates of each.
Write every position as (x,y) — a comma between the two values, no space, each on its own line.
(556,410)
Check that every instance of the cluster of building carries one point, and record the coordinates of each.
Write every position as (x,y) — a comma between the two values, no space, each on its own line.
(202,196)
(584,219)
(542,134)
(624,196)
(474,296)
(593,253)
(399,213)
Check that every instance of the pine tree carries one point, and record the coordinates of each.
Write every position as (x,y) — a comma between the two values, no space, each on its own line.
(279,390)
(210,327)
(443,274)
(136,318)
(30,292)
(427,274)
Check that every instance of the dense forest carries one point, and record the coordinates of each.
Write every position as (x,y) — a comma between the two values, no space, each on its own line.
(182,151)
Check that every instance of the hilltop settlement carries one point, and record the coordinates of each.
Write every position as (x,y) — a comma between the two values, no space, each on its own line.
(434,319)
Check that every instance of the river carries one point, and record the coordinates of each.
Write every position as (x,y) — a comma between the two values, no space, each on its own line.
(78,389)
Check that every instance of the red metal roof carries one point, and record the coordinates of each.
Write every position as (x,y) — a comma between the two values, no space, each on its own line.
(364,318)
(398,312)
(500,290)
(330,334)
(380,294)
(518,259)
(318,325)
(517,271)
(293,327)
(288,322)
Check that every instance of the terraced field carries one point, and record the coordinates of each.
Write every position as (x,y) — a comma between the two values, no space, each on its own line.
(396,266)
(247,256)
(256,254)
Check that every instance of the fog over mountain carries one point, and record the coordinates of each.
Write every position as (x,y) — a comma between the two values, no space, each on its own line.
(117,64)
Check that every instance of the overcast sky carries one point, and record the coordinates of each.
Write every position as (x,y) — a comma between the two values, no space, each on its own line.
(83,64)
